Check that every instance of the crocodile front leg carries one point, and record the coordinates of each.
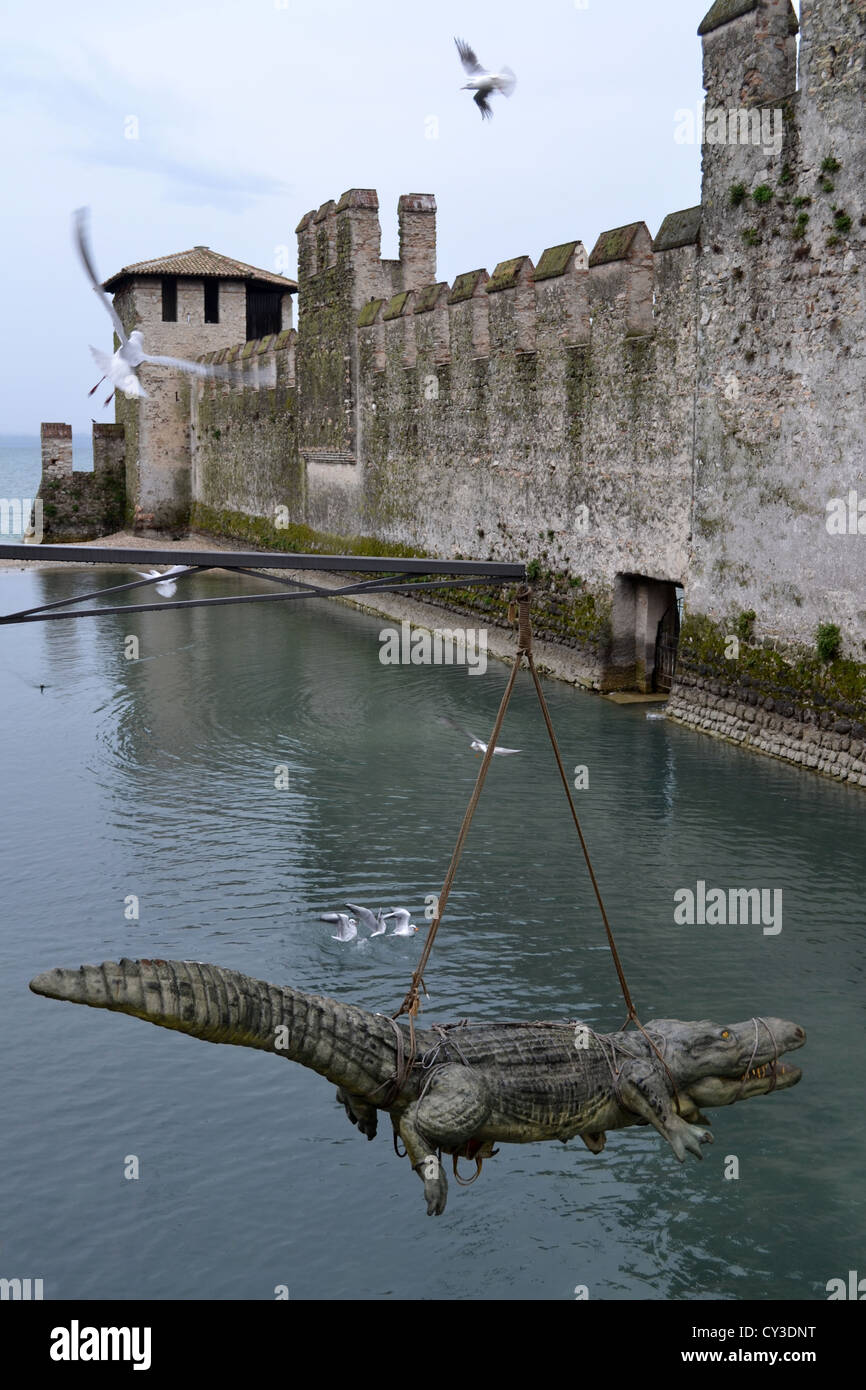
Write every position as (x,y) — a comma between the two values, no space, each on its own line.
(644,1093)
(449,1114)
(423,1157)
(359,1111)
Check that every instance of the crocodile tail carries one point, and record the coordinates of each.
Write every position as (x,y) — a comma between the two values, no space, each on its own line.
(350,1046)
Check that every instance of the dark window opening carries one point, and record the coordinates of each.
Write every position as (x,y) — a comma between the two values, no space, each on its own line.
(169,299)
(264,311)
(211,301)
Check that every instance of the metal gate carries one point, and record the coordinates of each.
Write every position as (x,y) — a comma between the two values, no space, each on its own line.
(667,639)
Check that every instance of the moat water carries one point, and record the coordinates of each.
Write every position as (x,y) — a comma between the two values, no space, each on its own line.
(155,778)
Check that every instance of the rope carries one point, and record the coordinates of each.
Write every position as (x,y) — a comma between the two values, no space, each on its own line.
(411,1002)
(756,1020)
(632,1013)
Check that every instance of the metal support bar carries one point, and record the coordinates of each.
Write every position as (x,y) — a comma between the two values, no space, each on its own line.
(236,559)
(367,586)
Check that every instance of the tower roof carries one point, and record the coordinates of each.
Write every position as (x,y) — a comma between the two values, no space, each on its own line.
(201,263)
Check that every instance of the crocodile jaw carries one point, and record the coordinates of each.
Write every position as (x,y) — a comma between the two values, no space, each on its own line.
(724,1090)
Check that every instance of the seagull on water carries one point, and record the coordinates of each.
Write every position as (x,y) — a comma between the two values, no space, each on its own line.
(122,369)
(404,927)
(482,82)
(348,926)
(168,589)
(374,921)
(476,744)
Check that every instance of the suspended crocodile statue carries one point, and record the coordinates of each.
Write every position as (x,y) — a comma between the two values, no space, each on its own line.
(467,1087)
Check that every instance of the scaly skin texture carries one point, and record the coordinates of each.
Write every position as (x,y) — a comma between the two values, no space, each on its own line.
(469,1087)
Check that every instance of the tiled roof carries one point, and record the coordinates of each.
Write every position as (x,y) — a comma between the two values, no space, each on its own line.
(200,261)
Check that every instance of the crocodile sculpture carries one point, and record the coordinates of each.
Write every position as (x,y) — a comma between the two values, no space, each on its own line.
(464,1087)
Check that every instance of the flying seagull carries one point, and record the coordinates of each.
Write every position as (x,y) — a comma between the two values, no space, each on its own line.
(348,926)
(372,920)
(122,369)
(404,927)
(482,82)
(169,588)
(476,744)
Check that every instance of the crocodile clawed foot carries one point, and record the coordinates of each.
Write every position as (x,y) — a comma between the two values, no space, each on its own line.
(432,1175)
(684,1137)
(359,1111)
(594,1142)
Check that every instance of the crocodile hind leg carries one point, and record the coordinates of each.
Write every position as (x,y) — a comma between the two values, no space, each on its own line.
(359,1111)
(644,1093)
(447,1116)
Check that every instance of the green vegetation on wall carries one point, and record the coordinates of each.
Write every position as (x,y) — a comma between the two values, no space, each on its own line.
(806,677)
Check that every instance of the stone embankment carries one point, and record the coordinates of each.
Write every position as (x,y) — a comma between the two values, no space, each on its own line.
(813,738)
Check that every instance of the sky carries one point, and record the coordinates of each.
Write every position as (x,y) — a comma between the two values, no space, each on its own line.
(222,123)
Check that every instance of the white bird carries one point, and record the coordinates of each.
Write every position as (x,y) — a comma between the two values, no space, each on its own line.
(476,744)
(348,926)
(482,82)
(169,588)
(404,927)
(122,369)
(372,920)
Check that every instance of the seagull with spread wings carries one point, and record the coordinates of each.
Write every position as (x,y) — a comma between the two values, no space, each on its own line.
(476,744)
(482,82)
(122,369)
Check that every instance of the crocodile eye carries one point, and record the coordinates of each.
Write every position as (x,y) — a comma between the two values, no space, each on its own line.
(725,1033)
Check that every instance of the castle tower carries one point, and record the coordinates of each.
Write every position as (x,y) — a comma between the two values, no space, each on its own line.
(340,270)
(185,305)
(750,67)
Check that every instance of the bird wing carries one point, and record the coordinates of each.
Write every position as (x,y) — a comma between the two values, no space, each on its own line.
(482,103)
(195,368)
(102,359)
(459,727)
(506,82)
(507,750)
(364,915)
(467,57)
(82,243)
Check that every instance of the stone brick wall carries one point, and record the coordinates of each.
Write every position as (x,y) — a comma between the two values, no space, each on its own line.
(244,431)
(813,738)
(79,506)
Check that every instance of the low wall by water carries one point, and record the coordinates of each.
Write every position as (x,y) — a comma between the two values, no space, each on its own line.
(814,739)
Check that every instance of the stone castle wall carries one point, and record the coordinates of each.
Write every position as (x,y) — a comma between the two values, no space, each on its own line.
(672,412)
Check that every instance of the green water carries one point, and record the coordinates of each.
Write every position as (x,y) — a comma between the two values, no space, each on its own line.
(155,778)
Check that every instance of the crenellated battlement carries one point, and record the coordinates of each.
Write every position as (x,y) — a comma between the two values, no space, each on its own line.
(345,237)
(259,364)
(523,308)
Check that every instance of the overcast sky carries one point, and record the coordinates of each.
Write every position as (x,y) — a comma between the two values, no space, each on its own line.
(250,112)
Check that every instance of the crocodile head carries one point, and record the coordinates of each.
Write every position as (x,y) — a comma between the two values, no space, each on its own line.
(717,1064)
